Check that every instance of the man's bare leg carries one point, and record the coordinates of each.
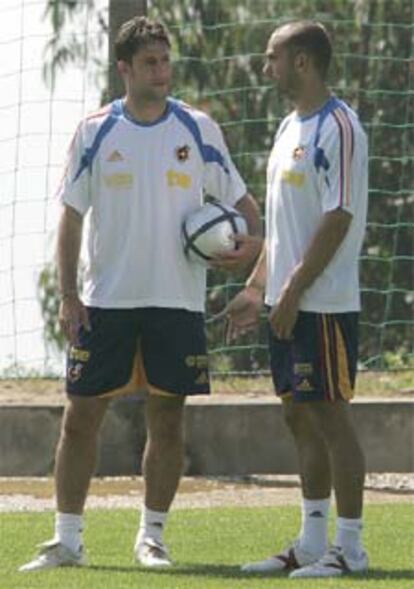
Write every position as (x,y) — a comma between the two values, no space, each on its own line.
(162,468)
(334,421)
(315,474)
(76,452)
(75,461)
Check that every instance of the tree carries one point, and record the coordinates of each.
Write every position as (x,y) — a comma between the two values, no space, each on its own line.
(219,47)
(71,48)
(66,46)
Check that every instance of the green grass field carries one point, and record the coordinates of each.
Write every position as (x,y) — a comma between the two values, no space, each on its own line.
(207,545)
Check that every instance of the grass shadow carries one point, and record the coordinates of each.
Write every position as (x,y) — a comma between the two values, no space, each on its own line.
(397,574)
(222,571)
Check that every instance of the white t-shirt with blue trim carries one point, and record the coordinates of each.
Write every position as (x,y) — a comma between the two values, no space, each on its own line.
(138,182)
(318,164)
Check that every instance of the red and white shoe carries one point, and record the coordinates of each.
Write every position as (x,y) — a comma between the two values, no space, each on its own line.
(333,564)
(293,557)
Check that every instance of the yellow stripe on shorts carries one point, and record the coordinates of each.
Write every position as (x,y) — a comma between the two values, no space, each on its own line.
(328,363)
(344,382)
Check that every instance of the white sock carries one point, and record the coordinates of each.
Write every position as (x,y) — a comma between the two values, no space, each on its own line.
(68,530)
(151,525)
(348,536)
(314,530)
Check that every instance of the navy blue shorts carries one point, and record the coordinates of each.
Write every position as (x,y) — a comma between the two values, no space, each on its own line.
(320,361)
(163,350)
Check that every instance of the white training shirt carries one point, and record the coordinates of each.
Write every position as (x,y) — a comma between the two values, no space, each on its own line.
(139,181)
(318,164)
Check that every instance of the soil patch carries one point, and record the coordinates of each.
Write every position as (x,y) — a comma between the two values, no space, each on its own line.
(27,494)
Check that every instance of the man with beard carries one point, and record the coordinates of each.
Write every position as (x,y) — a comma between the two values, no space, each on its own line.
(317,191)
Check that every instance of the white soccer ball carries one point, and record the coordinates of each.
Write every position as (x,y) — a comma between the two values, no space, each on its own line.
(207,231)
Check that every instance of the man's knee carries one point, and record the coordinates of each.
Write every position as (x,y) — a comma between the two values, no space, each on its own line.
(336,424)
(83,417)
(294,415)
(332,418)
(165,419)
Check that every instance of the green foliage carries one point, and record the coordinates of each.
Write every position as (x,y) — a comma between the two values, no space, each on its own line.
(399,360)
(68,45)
(218,48)
(48,295)
(219,63)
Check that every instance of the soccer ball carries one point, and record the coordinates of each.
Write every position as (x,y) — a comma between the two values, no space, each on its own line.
(206,232)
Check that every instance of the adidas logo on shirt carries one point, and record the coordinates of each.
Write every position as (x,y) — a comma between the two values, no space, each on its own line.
(115,156)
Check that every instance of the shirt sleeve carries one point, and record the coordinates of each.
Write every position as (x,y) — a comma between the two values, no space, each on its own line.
(221,178)
(341,157)
(74,188)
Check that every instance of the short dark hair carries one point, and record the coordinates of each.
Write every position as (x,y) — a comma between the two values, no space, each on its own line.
(137,33)
(312,38)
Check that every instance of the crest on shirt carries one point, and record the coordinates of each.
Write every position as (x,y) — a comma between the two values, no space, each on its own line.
(182,153)
(75,372)
(298,152)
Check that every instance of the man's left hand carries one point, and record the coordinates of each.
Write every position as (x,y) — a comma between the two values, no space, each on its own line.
(283,316)
(249,247)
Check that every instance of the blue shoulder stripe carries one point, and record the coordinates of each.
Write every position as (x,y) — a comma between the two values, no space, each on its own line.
(209,153)
(332,103)
(90,152)
(320,159)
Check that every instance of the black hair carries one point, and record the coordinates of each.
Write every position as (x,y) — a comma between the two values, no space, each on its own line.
(137,33)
